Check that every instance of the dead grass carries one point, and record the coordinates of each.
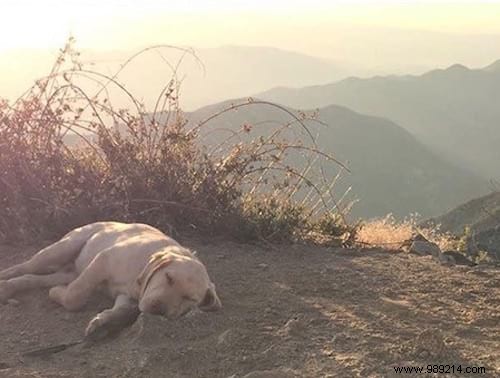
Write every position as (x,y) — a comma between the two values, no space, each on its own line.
(388,233)
(152,166)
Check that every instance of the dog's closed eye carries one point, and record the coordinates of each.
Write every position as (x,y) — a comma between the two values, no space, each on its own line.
(170,280)
(188,298)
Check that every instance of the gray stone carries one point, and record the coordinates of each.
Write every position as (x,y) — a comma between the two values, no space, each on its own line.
(425,248)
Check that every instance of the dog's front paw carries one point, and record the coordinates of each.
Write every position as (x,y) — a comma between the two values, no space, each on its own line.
(95,326)
(100,326)
(6,291)
(110,322)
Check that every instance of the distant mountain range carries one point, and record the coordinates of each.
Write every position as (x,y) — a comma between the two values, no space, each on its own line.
(454,111)
(392,172)
(237,71)
(420,144)
(230,72)
(221,72)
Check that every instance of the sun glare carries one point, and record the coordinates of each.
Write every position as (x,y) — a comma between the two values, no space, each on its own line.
(97,24)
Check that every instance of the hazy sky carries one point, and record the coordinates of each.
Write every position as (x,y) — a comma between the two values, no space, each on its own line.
(283,23)
(366,37)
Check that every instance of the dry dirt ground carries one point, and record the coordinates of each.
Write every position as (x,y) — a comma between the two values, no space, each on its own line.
(291,311)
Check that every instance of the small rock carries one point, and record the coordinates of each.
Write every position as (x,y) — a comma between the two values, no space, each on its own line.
(444,259)
(194,312)
(13,302)
(143,362)
(293,327)
(458,259)
(328,352)
(425,248)
(430,343)
(223,337)
(101,366)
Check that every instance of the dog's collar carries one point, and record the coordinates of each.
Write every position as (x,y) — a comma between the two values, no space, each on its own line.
(153,266)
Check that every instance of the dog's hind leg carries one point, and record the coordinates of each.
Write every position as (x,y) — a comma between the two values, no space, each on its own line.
(33,281)
(55,256)
(74,296)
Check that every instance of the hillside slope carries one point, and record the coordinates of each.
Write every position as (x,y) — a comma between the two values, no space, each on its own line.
(294,311)
(455,111)
(392,172)
(480,214)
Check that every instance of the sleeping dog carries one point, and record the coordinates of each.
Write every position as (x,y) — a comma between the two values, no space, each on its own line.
(137,265)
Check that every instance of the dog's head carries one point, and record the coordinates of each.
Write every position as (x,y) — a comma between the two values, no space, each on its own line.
(173,283)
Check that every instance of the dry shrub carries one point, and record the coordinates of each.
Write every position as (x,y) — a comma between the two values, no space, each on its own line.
(69,157)
(388,233)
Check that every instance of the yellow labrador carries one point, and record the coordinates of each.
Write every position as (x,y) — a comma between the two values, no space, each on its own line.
(136,264)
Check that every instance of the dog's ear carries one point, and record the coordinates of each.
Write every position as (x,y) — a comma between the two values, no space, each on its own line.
(211,301)
(147,269)
(155,263)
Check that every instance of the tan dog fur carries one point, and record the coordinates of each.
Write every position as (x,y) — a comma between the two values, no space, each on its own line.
(136,264)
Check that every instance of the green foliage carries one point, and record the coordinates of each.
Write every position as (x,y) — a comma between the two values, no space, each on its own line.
(466,246)
(463,241)
(273,219)
(330,224)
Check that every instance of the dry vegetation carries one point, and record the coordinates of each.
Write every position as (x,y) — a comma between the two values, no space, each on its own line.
(68,156)
(388,233)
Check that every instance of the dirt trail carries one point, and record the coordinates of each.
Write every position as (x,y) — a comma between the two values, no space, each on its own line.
(293,312)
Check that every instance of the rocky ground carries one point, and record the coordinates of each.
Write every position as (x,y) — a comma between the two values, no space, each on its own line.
(289,311)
